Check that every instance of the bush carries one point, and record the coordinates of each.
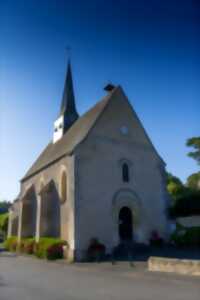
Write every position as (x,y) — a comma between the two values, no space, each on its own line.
(155,239)
(20,246)
(96,250)
(50,248)
(187,205)
(55,252)
(186,236)
(27,245)
(11,243)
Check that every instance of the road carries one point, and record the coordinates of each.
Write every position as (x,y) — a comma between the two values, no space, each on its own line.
(27,278)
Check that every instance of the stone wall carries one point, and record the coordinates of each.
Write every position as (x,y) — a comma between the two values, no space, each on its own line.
(180,266)
(100,189)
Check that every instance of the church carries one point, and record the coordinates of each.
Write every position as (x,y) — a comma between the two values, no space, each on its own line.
(100,177)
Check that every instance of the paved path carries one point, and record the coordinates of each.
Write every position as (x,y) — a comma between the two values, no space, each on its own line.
(26,278)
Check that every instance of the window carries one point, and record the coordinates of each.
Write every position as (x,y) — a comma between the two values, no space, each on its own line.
(63,187)
(125,172)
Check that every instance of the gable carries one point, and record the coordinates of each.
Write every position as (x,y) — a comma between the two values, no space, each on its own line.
(119,122)
(105,119)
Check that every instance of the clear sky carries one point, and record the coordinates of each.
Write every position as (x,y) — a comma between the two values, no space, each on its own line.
(149,47)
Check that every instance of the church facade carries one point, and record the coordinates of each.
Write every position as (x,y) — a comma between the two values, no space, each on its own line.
(100,177)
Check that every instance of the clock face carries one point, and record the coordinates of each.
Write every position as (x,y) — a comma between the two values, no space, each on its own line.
(124,130)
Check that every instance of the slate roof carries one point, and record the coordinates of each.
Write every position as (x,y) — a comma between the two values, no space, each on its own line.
(73,137)
(68,100)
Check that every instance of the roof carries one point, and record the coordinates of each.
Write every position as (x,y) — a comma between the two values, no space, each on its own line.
(68,100)
(73,137)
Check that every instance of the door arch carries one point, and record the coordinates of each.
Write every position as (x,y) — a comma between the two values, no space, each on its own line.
(125,224)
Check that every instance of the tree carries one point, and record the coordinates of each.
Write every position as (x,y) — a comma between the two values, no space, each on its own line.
(195,143)
(4,224)
(193,181)
(4,206)
(175,186)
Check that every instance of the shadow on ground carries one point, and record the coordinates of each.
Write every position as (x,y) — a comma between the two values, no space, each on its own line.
(141,253)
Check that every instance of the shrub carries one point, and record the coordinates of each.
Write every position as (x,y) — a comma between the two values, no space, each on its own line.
(20,246)
(96,250)
(55,251)
(50,248)
(13,247)
(187,205)
(186,236)
(11,243)
(155,239)
(27,245)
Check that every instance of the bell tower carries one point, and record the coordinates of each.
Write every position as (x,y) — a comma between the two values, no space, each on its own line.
(68,113)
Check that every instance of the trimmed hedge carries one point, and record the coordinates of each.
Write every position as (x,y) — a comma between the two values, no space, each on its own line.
(50,248)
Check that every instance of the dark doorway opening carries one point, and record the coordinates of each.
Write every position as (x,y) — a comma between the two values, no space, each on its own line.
(125,224)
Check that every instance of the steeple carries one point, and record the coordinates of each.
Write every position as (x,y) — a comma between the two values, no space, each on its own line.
(68,113)
(68,101)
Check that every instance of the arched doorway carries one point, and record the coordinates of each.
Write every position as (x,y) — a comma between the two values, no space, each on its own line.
(125,224)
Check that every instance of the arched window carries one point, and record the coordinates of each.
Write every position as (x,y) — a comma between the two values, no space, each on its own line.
(63,187)
(125,172)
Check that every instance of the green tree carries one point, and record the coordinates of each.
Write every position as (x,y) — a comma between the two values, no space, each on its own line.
(175,187)
(195,143)
(4,206)
(4,224)
(193,181)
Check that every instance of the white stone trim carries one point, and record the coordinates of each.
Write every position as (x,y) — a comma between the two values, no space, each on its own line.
(38,212)
(128,198)
(125,198)
(125,160)
(129,163)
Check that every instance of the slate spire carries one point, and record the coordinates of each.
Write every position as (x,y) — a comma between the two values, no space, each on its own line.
(68,105)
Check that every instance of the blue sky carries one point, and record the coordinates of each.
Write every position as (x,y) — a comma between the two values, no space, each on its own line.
(150,47)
